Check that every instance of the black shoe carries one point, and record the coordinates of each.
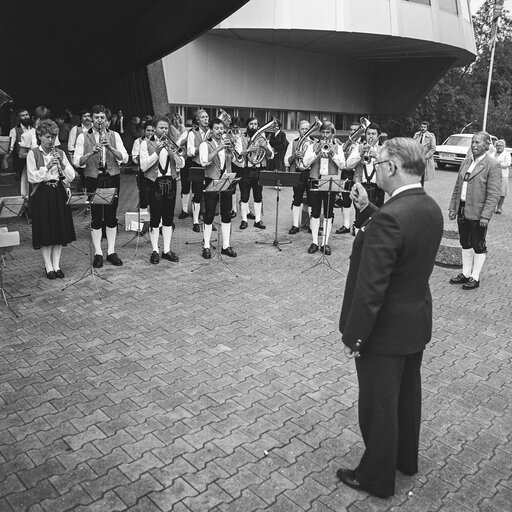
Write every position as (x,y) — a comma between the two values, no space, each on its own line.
(182,215)
(207,254)
(343,231)
(348,477)
(59,274)
(233,214)
(259,225)
(229,252)
(170,256)
(313,248)
(243,225)
(471,284)
(293,230)
(214,228)
(154,258)
(326,249)
(251,216)
(460,279)
(196,228)
(114,259)
(51,274)
(97,262)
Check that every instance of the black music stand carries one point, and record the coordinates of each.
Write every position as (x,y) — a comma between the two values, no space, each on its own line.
(196,174)
(278,179)
(102,196)
(14,206)
(226,184)
(327,184)
(5,294)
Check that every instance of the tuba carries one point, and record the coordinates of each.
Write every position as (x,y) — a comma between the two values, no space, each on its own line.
(364,123)
(257,156)
(301,144)
(224,117)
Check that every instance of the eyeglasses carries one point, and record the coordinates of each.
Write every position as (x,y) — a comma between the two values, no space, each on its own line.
(375,164)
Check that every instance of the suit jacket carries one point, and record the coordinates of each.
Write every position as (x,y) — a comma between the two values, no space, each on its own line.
(429,146)
(387,306)
(484,189)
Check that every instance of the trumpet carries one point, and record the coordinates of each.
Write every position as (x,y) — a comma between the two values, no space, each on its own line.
(170,145)
(327,147)
(367,155)
(236,157)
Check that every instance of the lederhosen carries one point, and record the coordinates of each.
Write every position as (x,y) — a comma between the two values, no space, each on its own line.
(250,181)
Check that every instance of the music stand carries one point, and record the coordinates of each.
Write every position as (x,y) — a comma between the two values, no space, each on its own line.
(225,184)
(279,179)
(139,232)
(14,206)
(196,174)
(327,184)
(10,239)
(102,196)
(80,199)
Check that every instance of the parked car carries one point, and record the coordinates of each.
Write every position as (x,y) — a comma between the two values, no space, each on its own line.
(454,149)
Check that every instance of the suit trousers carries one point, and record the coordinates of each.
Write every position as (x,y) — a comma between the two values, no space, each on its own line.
(389,418)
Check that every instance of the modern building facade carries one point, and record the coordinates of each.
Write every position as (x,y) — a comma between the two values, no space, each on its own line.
(337,59)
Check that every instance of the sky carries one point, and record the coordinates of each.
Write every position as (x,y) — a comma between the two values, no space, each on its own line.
(475,4)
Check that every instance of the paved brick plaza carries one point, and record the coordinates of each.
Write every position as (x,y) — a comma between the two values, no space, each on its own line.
(186,388)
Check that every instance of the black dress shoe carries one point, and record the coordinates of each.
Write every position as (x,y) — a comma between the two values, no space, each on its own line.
(326,249)
(259,225)
(343,231)
(154,258)
(207,254)
(114,259)
(233,214)
(229,252)
(243,225)
(471,284)
(170,256)
(196,228)
(251,216)
(459,279)
(313,248)
(97,262)
(51,274)
(348,477)
(59,274)
(293,230)
(183,215)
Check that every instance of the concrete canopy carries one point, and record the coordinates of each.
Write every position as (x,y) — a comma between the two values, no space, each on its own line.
(62,52)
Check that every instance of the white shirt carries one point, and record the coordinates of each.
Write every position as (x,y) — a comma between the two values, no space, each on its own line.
(36,175)
(29,139)
(12,135)
(147,160)
(405,187)
(469,171)
(203,155)
(73,135)
(504,160)
(79,148)
(136,150)
(191,140)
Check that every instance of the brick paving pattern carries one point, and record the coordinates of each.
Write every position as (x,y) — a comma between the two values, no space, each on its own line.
(184,388)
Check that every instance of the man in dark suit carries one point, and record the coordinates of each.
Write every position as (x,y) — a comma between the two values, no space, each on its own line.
(386,317)
(475,196)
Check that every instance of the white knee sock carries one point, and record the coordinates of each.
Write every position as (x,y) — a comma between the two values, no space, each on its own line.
(478,263)
(467,261)
(315,226)
(154,233)
(225,229)
(233,202)
(184,202)
(196,208)
(56,252)
(257,212)
(346,217)
(111,240)
(244,208)
(96,240)
(296,215)
(207,234)
(167,235)
(24,187)
(327,230)
(46,251)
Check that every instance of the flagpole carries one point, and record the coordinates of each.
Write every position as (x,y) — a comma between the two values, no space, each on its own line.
(491,66)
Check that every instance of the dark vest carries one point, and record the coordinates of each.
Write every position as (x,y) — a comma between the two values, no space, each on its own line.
(315,166)
(38,157)
(214,170)
(91,166)
(197,141)
(152,172)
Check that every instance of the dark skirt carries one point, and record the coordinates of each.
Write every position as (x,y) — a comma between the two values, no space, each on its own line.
(52,221)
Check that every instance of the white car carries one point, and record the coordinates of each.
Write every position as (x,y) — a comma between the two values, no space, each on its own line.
(454,149)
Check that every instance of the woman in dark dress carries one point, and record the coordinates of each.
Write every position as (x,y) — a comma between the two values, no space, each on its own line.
(50,172)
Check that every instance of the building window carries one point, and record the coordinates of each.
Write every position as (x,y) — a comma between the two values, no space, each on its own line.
(449,6)
(243,114)
(423,2)
(261,115)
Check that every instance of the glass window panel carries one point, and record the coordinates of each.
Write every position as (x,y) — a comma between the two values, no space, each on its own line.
(244,114)
(424,2)
(190,112)
(261,115)
(291,120)
(449,6)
